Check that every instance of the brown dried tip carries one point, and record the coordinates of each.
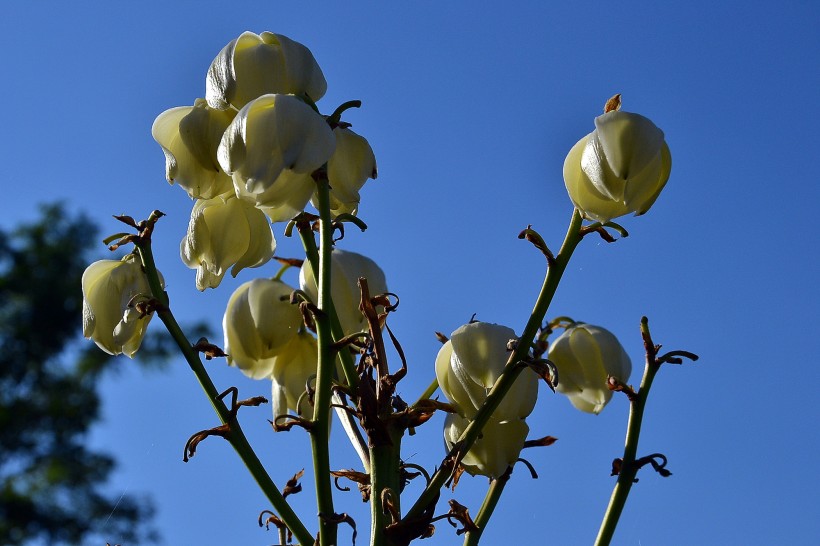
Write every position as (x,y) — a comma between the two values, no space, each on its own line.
(460,513)
(541,442)
(210,350)
(293,262)
(252,401)
(613,104)
(272,519)
(293,486)
(456,476)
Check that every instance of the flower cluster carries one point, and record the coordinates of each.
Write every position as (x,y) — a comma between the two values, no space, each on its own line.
(467,366)
(253,152)
(250,149)
(249,153)
(475,356)
(264,333)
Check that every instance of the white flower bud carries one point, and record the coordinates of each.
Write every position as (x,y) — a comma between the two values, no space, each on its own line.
(109,286)
(346,268)
(497,448)
(224,232)
(190,136)
(620,167)
(351,164)
(293,367)
(470,363)
(259,64)
(271,148)
(586,356)
(259,321)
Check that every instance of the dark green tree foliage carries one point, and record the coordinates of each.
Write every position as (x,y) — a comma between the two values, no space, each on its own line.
(51,484)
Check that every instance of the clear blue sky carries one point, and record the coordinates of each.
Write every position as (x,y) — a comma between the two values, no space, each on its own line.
(471,109)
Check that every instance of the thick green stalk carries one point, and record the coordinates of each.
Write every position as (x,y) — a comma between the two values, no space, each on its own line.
(626,477)
(505,382)
(487,507)
(320,431)
(237,436)
(384,476)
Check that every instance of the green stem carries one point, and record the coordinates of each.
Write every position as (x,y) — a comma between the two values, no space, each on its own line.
(345,357)
(428,392)
(505,382)
(626,477)
(320,432)
(312,254)
(487,507)
(278,276)
(236,437)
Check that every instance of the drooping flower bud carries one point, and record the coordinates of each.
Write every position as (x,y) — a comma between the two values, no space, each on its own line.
(498,448)
(469,364)
(190,136)
(111,289)
(619,168)
(259,321)
(586,356)
(259,64)
(351,164)
(346,268)
(271,148)
(224,232)
(293,367)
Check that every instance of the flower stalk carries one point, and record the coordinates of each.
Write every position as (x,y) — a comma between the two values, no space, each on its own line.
(346,359)
(236,436)
(497,486)
(320,432)
(629,465)
(504,383)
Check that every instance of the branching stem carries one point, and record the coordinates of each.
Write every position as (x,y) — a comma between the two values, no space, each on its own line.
(629,469)
(505,382)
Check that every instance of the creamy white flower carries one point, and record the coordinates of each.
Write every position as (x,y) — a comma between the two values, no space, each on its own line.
(293,367)
(259,321)
(620,167)
(497,448)
(469,364)
(109,286)
(259,64)
(224,232)
(350,166)
(271,148)
(586,356)
(346,268)
(190,136)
